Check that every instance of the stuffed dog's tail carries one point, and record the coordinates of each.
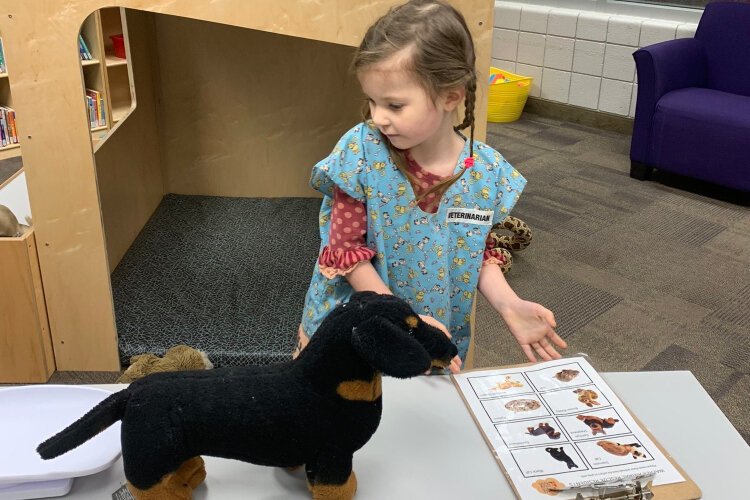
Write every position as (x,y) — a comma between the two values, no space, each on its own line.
(92,423)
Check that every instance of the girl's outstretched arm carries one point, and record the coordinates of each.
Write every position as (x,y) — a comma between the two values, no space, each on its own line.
(530,323)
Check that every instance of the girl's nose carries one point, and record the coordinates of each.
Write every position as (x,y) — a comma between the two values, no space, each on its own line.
(379,117)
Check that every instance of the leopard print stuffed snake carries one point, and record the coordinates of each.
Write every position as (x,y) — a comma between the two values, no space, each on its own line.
(519,239)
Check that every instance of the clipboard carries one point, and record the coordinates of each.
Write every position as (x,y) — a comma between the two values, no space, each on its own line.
(685,490)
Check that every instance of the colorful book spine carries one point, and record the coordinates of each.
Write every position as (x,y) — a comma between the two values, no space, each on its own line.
(102,121)
(84,49)
(90,108)
(6,126)
(3,69)
(12,121)
(102,108)
(3,137)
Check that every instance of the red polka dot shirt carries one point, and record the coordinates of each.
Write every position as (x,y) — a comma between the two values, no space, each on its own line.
(347,246)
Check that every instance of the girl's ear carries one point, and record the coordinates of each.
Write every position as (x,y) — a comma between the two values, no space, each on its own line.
(452,98)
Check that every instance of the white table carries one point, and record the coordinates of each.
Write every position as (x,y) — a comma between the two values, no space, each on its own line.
(428,447)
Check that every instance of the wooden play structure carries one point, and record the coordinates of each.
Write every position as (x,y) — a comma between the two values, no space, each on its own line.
(223,97)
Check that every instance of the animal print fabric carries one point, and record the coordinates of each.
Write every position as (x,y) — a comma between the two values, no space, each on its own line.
(430,260)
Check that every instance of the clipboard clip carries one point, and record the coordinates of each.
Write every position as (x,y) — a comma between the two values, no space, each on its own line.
(635,490)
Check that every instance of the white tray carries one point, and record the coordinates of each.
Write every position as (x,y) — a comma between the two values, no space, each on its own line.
(30,415)
(43,489)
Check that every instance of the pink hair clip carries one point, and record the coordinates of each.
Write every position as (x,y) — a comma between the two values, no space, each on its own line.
(468,162)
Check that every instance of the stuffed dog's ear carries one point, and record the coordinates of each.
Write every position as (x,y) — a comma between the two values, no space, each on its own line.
(390,348)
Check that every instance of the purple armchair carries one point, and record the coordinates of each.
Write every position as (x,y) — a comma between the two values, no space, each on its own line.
(692,115)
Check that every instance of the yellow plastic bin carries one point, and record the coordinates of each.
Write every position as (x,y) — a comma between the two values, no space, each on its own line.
(507,95)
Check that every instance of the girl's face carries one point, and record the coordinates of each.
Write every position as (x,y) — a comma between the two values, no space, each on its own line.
(400,108)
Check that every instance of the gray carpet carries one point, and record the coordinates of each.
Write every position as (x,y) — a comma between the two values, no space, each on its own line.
(224,275)
(9,166)
(640,275)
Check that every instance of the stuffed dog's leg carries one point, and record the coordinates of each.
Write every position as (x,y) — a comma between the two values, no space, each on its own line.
(331,476)
(192,472)
(178,485)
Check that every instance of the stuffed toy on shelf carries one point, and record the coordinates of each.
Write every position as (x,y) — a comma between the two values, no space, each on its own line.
(316,410)
(9,225)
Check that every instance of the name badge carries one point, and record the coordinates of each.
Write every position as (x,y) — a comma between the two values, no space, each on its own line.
(470,216)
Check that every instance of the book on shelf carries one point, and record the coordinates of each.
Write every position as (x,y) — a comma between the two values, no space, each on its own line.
(3,68)
(83,49)
(95,106)
(3,136)
(8,133)
(11,114)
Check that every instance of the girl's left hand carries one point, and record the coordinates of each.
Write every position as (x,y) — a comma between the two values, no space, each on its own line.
(532,326)
(455,366)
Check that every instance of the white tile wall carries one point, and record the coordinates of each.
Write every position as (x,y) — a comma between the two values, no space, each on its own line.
(588,57)
(584,91)
(578,57)
(619,63)
(562,22)
(507,16)
(555,85)
(624,30)
(657,31)
(505,65)
(504,44)
(534,72)
(686,30)
(558,53)
(534,18)
(615,96)
(632,101)
(592,26)
(531,48)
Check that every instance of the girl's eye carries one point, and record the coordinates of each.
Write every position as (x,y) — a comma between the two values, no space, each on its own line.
(395,107)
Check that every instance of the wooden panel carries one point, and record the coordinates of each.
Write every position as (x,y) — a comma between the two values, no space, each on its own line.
(127,162)
(25,345)
(59,161)
(61,177)
(247,113)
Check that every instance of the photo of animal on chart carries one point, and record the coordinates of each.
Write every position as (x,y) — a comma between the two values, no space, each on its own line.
(546,460)
(545,430)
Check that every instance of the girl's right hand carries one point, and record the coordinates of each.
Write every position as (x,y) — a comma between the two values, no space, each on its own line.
(456,362)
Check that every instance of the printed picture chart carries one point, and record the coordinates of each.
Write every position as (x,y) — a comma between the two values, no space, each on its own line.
(557,426)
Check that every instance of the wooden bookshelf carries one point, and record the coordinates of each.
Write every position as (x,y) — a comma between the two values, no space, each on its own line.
(106,73)
(6,99)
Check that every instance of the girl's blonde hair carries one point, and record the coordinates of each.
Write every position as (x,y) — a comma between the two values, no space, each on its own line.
(441,57)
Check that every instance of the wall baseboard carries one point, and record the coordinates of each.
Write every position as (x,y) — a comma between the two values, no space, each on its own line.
(581,116)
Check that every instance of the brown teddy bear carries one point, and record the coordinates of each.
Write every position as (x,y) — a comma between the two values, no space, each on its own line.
(177,358)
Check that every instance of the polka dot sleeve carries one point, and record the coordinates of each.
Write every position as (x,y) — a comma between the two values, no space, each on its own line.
(492,255)
(346,244)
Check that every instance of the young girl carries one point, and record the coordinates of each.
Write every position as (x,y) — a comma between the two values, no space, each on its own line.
(409,201)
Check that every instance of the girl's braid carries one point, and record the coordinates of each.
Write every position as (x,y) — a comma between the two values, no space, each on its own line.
(469,104)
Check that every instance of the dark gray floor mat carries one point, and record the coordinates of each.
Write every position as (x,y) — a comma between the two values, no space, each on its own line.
(224,275)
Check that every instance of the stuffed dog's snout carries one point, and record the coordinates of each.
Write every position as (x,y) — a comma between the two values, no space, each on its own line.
(437,344)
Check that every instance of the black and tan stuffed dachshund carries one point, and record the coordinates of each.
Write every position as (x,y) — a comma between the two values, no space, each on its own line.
(316,410)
